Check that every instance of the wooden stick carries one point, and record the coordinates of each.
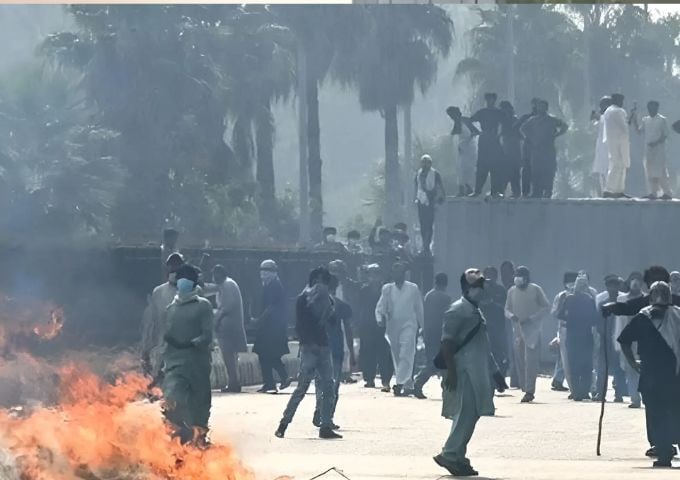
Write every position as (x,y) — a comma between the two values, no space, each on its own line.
(603,394)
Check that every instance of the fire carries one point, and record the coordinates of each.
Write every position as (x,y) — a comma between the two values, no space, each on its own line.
(21,317)
(51,329)
(98,429)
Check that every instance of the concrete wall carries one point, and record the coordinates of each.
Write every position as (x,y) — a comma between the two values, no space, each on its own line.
(552,236)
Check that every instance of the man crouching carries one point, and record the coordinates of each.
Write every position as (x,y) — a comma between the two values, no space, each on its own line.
(467,384)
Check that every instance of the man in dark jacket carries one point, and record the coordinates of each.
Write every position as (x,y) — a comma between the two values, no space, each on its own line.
(271,337)
(436,303)
(314,311)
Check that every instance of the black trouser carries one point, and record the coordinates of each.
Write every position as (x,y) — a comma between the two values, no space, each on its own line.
(542,181)
(374,355)
(489,163)
(661,413)
(514,179)
(269,364)
(426,219)
(526,170)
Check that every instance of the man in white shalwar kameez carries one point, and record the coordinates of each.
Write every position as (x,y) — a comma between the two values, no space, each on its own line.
(601,162)
(400,310)
(655,129)
(616,138)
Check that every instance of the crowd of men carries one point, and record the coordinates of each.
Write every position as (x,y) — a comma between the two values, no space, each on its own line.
(492,331)
(519,152)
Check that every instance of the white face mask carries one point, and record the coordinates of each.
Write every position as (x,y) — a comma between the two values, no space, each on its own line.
(519,281)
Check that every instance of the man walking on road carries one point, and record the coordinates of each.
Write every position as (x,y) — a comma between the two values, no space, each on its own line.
(467,390)
(526,306)
(400,310)
(437,302)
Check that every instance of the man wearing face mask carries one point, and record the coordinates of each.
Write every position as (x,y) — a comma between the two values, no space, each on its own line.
(186,359)
(467,391)
(675,283)
(400,310)
(656,329)
(525,307)
(153,325)
(330,242)
(271,329)
(632,376)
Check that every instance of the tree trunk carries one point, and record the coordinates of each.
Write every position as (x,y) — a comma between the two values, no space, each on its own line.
(304,238)
(511,53)
(242,140)
(264,140)
(392,183)
(411,165)
(314,158)
(587,93)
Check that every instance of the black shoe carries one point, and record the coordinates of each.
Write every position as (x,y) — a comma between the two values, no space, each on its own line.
(618,399)
(286,383)
(236,389)
(662,464)
(570,397)
(455,469)
(666,197)
(398,391)
(607,195)
(369,384)
(651,196)
(418,393)
(267,389)
(328,434)
(651,453)
(281,431)
(558,387)
(634,405)
(474,194)
(386,389)
(528,398)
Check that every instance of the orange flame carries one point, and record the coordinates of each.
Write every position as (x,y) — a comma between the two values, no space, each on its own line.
(99,428)
(52,328)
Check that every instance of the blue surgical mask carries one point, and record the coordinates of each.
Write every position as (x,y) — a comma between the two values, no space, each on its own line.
(184,285)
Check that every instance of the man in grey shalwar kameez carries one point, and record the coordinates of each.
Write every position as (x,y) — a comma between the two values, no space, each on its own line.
(467,385)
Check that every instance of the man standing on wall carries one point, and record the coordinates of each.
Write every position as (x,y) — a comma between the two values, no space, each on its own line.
(489,150)
(466,147)
(429,193)
(542,129)
(616,138)
(654,127)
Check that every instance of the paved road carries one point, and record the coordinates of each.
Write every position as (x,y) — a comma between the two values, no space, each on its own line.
(394,438)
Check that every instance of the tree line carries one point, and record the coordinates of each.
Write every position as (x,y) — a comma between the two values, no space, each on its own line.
(143,117)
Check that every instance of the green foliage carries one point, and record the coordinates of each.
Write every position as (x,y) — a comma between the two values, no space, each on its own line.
(59,173)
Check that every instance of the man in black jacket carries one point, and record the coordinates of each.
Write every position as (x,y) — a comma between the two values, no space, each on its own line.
(314,308)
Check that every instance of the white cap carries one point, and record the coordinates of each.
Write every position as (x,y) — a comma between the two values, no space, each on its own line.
(269,265)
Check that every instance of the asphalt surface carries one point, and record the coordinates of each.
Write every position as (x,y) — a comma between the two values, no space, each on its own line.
(393,438)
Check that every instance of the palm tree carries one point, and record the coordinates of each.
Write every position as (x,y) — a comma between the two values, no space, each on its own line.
(399,51)
(58,172)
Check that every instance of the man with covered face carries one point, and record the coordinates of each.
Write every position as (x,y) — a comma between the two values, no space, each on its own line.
(656,329)
(467,390)
(525,308)
(186,358)
(400,310)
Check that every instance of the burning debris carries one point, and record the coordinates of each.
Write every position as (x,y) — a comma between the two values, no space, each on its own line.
(63,421)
